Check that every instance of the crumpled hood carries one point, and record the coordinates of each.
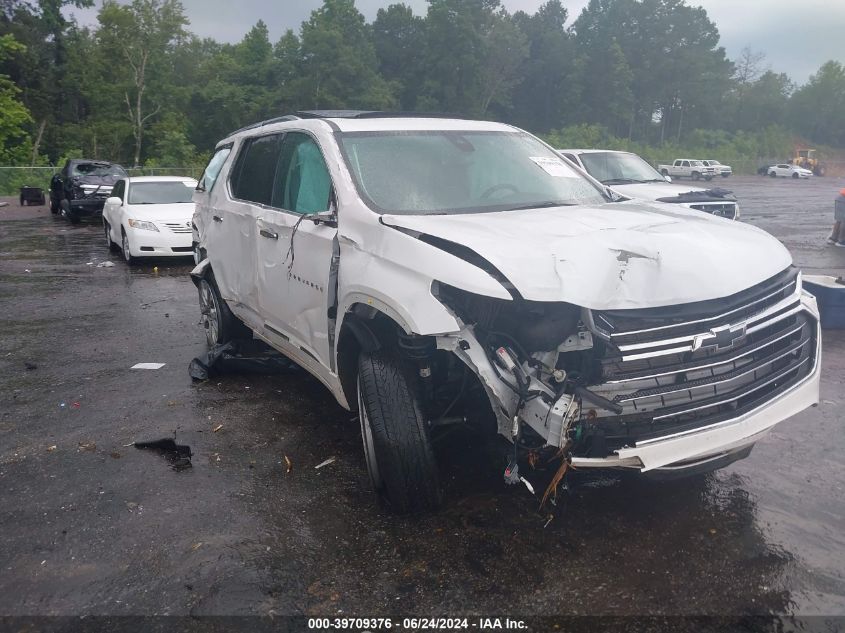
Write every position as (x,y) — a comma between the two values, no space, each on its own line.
(108,180)
(613,256)
(654,190)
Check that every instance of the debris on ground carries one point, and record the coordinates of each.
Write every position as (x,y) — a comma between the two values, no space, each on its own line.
(147,366)
(105,265)
(288,464)
(178,455)
(551,490)
(30,366)
(330,460)
(89,447)
(217,428)
(50,449)
(240,357)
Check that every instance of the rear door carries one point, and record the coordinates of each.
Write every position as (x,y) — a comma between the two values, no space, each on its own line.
(295,254)
(203,196)
(230,233)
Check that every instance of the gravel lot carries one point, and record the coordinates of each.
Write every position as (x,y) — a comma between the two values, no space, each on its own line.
(91,526)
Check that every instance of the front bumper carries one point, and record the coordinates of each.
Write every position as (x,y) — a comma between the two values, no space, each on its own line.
(87,206)
(164,243)
(718,442)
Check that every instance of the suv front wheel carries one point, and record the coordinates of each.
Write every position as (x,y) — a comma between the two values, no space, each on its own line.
(397,446)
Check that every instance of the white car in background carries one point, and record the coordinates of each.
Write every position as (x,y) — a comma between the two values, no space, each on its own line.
(785,170)
(150,216)
(628,174)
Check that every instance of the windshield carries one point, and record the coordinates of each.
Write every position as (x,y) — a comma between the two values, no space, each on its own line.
(97,169)
(617,168)
(461,172)
(712,162)
(165,192)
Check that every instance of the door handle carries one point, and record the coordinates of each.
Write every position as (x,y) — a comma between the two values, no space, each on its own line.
(216,218)
(269,234)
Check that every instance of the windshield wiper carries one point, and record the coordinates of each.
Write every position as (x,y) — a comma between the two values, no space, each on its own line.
(620,181)
(543,205)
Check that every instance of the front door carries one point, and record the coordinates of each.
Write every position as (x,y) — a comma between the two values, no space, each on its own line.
(294,255)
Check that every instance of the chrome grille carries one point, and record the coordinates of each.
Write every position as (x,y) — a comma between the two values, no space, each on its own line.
(178,227)
(705,362)
(722,209)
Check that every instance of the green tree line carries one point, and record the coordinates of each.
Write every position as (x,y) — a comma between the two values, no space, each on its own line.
(141,89)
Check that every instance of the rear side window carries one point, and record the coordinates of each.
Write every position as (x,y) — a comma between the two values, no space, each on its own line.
(302,182)
(254,172)
(212,170)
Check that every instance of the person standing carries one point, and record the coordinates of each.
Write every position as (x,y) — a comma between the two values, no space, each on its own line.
(837,236)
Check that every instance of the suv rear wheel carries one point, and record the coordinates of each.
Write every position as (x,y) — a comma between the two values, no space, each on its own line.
(221,326)
(397,446)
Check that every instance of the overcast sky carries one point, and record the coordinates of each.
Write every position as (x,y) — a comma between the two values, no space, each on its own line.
(797,36)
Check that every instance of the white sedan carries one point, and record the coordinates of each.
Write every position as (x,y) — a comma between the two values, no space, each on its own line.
(789,171)
(150,216)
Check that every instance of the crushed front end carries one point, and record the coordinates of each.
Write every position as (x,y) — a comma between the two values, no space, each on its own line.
(664,390)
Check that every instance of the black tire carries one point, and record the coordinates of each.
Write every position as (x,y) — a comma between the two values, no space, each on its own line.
(725,175)
(773,174)
(124,248)
(22,202)
(397,446)
(68,213)
(221,326)
(54,208)
(795,176)
(696,175)
(708,178)
(113,248)
(664,172)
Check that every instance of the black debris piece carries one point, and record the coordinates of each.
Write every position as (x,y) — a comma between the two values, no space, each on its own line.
(708,195)
(178,455)
(240,357)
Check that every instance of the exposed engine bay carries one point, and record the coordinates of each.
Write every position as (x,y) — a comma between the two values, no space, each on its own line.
(565,381)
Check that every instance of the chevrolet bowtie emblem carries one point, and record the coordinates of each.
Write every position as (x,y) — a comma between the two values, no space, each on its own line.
(721,337)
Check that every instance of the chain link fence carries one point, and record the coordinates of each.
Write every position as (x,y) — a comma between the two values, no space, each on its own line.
(13,178)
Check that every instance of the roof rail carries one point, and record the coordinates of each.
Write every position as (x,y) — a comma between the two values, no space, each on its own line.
(348,114)
(373,114)
(252,126)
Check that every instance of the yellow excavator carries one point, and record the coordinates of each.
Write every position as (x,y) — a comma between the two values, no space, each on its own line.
(806,158)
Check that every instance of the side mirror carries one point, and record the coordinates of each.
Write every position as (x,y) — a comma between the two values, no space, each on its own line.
(114,201)
(667,178)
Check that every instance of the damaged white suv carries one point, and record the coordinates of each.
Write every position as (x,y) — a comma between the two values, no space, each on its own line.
(434,271)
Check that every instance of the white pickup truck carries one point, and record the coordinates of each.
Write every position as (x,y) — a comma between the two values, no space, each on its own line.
(688,168)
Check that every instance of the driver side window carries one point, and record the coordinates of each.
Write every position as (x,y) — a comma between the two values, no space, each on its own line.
(302,182)
(119,189)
